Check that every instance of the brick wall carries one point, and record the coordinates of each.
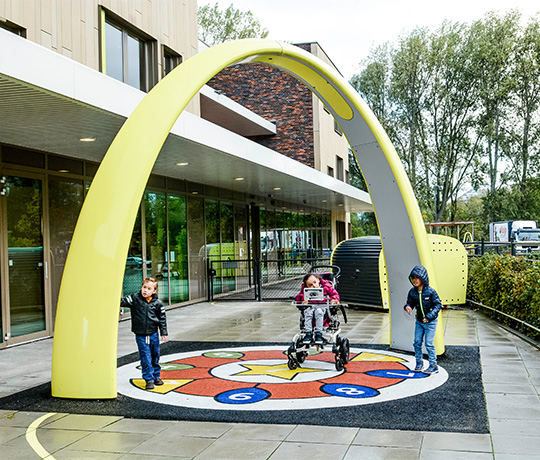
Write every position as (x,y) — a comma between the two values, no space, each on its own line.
(274,95)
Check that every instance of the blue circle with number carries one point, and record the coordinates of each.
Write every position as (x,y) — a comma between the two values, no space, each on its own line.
(349,391)
(242,396)
(396,374)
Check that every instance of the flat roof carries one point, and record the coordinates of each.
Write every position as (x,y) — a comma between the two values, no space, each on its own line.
(49,102)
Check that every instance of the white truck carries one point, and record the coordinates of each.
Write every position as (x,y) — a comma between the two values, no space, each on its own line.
(516,231)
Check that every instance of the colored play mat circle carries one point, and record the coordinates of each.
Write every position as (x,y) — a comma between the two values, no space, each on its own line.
(258,378)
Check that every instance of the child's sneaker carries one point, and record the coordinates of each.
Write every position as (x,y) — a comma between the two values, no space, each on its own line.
(318,338)
(432,369)
(307,338)
(418,367)
(150,385)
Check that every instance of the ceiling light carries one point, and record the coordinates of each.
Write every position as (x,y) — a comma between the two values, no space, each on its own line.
(276,188)
(324,201)
(182,164)
(340,204)
(194,193)
(63,170)
(87,139)
(238,178)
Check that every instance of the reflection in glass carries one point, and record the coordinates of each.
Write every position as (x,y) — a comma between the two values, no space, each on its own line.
(228,281)
(25,253)
(178,255)
(240,245)
(65,201)
(134,62)
(114,57)
(197,253)
(156,241)
(135,264)
(213,246)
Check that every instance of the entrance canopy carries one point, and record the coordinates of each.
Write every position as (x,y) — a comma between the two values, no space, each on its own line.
(50,102)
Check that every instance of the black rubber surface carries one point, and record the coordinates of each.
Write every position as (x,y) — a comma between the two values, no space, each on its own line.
(456,406)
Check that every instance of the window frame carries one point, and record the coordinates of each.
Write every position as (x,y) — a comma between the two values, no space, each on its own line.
(168,53)
(340,168)
(148,69)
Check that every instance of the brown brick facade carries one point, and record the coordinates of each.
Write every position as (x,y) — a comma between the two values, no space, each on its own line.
(274,95)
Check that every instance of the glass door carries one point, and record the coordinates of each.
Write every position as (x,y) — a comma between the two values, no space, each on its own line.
(23,267)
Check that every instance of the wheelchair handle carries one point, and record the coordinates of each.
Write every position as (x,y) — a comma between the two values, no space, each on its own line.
(338,270)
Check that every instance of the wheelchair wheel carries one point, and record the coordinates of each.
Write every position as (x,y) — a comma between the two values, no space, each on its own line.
(345,350)
(292,363)
(339,365)
(290,350)
(301,356)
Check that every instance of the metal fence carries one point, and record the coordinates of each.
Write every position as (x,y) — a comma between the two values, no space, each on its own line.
(258,279)
(479,248)
(516,324)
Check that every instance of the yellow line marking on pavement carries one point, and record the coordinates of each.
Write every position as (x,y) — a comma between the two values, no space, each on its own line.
(32,438)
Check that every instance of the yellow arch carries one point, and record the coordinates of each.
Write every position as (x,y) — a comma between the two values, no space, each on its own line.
(86,332)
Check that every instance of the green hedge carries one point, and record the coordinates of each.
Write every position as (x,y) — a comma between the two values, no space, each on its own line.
(508,284)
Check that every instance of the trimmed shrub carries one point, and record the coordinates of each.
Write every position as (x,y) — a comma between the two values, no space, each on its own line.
(508,284)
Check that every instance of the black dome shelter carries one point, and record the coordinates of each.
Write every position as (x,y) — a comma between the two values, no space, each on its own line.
(358,259)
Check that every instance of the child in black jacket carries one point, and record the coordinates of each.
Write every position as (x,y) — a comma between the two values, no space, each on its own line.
(147,316)
(427,303)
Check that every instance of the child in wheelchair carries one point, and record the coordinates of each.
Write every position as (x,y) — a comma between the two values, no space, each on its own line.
(315,294)
(319,305)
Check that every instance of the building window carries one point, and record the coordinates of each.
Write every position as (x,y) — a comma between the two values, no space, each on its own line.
(170,60)
(337,128)
(13,28)
(330,171)
(339,168)
(128,55)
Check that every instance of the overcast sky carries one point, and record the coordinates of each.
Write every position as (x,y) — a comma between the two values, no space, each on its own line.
(348,29)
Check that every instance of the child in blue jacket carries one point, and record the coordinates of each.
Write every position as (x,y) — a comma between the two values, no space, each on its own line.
(425,300)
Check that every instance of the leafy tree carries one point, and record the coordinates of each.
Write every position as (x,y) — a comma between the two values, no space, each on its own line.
(523,126)
(364,224)
(218,26)
(409,83)
(355,175)
(373,83)
(494,40)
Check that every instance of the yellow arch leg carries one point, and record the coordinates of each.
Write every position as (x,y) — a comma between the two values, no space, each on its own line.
(86,332)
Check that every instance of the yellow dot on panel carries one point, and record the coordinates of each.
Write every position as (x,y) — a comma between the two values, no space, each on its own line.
(377,357)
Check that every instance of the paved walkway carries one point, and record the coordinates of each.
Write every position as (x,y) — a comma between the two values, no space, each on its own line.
(511,375)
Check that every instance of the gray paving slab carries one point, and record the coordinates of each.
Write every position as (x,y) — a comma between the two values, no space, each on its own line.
(239,450)
(380,453)
(514,427)
(330,435)
(389,438)
(524,388)
(311,451)
(457,442)
(172,444)
(262,432)
(515,444)
(511,371)
(453,455)
(113,442)
(516,456)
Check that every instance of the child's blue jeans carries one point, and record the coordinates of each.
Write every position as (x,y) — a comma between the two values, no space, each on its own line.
(425,332)
(148,346)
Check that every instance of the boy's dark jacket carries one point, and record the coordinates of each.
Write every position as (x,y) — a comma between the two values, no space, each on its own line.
(146,317)
(431,304)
